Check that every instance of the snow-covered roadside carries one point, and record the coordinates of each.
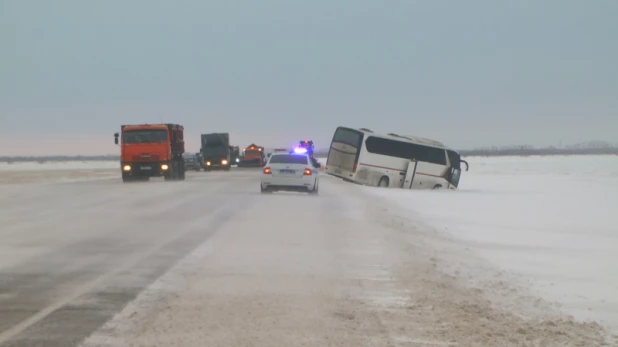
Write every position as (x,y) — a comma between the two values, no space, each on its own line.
(56,176)
(54,172)
(58,165)
(551,220)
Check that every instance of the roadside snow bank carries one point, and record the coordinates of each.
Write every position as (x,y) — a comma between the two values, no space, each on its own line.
(553,220)
(52,172)
(58,165)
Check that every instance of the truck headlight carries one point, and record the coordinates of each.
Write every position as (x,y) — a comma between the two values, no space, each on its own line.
(224,162)
(127,168)
(164,167)
(207,163)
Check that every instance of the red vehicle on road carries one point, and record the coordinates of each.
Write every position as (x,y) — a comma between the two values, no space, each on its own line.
(253,156)
(151,150)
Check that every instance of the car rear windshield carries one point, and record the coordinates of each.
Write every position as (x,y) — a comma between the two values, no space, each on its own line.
(288,159)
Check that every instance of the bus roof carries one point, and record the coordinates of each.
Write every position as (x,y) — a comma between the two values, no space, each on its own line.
(405,138)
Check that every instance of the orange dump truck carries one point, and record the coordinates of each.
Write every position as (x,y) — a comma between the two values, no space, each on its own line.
(151,150)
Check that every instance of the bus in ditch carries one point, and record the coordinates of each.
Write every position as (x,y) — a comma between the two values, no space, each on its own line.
(392,161)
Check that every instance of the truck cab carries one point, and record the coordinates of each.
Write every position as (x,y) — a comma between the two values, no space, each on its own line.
(216,151)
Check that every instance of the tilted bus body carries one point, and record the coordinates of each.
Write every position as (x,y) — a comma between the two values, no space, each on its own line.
(392,160)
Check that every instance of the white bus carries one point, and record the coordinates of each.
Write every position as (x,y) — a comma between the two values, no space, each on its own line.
(397,161)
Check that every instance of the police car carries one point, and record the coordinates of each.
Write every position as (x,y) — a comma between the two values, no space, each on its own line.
(289,172)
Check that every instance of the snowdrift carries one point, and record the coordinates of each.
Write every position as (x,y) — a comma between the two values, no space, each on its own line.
(552,220)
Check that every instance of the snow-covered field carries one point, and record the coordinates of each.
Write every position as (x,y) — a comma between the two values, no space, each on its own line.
(48,172)
(58,165)
(551,220)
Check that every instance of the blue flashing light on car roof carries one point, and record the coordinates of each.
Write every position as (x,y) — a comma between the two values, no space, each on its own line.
(300,150)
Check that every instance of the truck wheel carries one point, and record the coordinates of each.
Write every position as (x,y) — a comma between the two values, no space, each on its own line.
(170,175)
(175,172)
(182,175)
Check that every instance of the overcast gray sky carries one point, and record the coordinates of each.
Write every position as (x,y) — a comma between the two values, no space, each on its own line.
(468,73)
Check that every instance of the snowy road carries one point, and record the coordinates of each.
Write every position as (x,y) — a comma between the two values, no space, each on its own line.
(212,262)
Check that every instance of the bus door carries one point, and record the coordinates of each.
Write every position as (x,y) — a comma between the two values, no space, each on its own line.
(410,173)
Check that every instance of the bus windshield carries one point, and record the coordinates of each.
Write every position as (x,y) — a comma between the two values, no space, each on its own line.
(145,136)
(454,158)
(455,171)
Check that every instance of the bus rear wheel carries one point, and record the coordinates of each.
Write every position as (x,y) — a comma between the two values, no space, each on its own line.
(383,182)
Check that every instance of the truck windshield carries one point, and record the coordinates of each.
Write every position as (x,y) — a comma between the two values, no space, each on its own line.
(145,136)
(214,151)
(252,153)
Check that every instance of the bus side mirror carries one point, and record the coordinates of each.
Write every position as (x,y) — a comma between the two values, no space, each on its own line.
(116,138)
(465,162)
